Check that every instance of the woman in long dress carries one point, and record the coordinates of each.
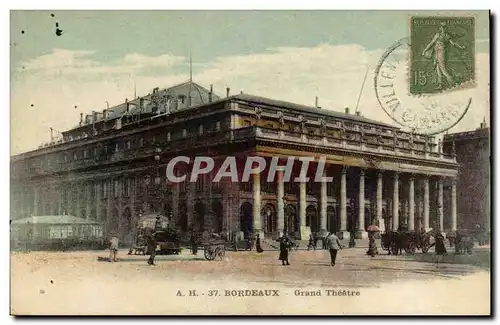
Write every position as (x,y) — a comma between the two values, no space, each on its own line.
(257,245)
(372,246)
(284,246)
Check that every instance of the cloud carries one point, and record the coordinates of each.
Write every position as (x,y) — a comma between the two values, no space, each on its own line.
(334,73)
(77,63)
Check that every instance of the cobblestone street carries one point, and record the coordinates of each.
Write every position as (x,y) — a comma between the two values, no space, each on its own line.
(76,282)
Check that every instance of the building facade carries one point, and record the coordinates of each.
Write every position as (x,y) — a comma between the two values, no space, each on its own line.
(472,150)
(112,167)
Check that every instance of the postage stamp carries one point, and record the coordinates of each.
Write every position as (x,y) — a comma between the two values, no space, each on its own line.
(442,53)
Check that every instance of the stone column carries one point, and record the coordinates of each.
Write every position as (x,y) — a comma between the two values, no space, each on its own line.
(190,194)
(257,222)
(453,205)
(35,201)
(78,210)
(280,203)
(440,205)
(343,233)
(131,192)
(60,195)
(109,193)
(395,203)
(426,203)
(361,233)
(381,223)
(88,202)
(98,198)
(323,205)
(411,203)
(304,230)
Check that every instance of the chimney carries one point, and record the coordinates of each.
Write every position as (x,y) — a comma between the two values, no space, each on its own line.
(347,110)
(105,114)
(210,93)
(94,116)
(81,119)
(227,91)
(241,92)
(483,124)
(316,102)
(128,106)
(358,113)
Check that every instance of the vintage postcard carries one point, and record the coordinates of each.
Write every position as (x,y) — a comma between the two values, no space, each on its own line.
(176,162)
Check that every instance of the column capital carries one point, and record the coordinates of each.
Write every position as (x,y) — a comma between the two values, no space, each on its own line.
(380,174)
(362,171)
(344,170)
(396,175)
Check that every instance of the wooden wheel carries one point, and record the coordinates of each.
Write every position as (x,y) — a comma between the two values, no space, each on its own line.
(209,253)
(221,252)
(411,248)
(394,249)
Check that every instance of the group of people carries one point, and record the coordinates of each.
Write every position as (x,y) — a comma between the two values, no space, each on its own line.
(330,242)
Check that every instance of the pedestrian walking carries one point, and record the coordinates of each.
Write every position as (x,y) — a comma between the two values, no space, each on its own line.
(334,245)
(440,247)
(113,248)
(311,243)
(284,247)
(257,245)
(151,243)
(194,243)
(372,246)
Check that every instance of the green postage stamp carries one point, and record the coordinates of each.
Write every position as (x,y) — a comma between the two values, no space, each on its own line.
(442,53)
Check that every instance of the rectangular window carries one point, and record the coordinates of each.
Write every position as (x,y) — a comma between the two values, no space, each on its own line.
(128,144)
(168,136)
(200,129)
(85,153)
(184,133)
(117,147)
(217,126)
(95,151)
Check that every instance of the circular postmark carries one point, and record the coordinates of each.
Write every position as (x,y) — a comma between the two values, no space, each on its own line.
(427,114)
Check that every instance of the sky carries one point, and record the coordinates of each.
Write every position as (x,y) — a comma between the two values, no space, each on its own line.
(286,55)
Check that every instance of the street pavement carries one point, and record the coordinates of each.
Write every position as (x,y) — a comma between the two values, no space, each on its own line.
(76,282)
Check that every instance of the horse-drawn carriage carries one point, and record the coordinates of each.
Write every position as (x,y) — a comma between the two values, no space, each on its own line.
(409,241)
(167,239)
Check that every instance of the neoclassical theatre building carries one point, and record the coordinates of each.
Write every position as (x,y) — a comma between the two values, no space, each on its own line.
(112,167)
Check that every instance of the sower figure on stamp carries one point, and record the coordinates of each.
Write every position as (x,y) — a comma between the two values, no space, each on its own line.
(438,46)
(334,245)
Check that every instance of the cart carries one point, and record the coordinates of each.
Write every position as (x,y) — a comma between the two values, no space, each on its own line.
(214,248)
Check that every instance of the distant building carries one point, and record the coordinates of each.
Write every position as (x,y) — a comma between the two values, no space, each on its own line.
(473,182)
(112,167)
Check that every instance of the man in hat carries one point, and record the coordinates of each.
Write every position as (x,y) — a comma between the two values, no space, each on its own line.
(333,244)
(158,223)
(151,243)
(113,248)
